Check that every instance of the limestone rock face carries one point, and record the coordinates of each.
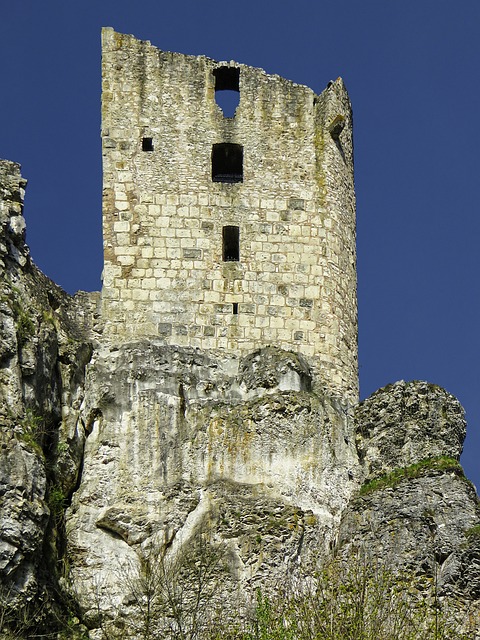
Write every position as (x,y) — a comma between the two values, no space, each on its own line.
(42,357)
(12,222)
(417,511)
(182,442)
(428,528)
(463,575)
(418,523)
(406,422)
(23,514)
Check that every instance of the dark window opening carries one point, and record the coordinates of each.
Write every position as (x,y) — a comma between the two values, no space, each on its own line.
(147,144)
(227,162)
(227,78)
(227,89)
(231,244)
(235,308)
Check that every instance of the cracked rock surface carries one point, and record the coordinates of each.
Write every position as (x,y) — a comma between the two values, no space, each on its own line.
(43,351)
(181,442)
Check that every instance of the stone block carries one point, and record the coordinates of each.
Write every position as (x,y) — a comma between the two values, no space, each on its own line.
(148,283)
(162,221)
(140,294)
(181,330)
(183,233)
(165,329)
(246,308)
(126,260)
(192,254)
(222,308)
(306,303)
(273,216)
(277,323)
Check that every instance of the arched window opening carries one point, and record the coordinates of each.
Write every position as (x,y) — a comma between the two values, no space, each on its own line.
(227,89)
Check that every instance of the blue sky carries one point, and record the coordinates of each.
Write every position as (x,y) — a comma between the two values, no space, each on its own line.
(412,71)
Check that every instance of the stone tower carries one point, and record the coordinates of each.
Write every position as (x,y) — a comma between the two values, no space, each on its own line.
(227,233)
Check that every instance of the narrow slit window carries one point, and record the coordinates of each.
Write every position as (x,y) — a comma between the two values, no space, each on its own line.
(227,89)
(227,162)
(147,144)
(231,245)
(235,308)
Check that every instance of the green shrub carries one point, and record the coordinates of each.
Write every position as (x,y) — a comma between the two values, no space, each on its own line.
(33,431)
(24,327)
(56,501)
(353,599)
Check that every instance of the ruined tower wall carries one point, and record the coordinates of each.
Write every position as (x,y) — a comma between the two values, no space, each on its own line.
(165,274)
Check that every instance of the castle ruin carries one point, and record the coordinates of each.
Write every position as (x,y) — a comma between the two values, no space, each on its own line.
(209,409)
(227,233)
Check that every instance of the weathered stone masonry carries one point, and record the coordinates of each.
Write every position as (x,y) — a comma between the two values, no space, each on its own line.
(227,233)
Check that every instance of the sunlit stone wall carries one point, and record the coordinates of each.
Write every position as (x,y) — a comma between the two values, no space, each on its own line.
(283,272)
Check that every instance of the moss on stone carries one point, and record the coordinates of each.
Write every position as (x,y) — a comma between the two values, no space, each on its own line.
(473,532)
(417,470)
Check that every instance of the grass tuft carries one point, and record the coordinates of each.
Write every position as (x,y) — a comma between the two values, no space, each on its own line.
(417,470)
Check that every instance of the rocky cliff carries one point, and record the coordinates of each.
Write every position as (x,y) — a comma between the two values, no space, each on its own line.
(119,459)
(43,352)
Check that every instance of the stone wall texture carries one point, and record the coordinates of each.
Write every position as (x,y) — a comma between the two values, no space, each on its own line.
(165,276)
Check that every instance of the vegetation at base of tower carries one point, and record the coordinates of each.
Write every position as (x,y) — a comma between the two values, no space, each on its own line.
(14,622)
(352,598)
(172,597)
(417,470)
(37,618)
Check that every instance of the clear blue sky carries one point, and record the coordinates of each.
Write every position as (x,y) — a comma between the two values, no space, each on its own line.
(412,71)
